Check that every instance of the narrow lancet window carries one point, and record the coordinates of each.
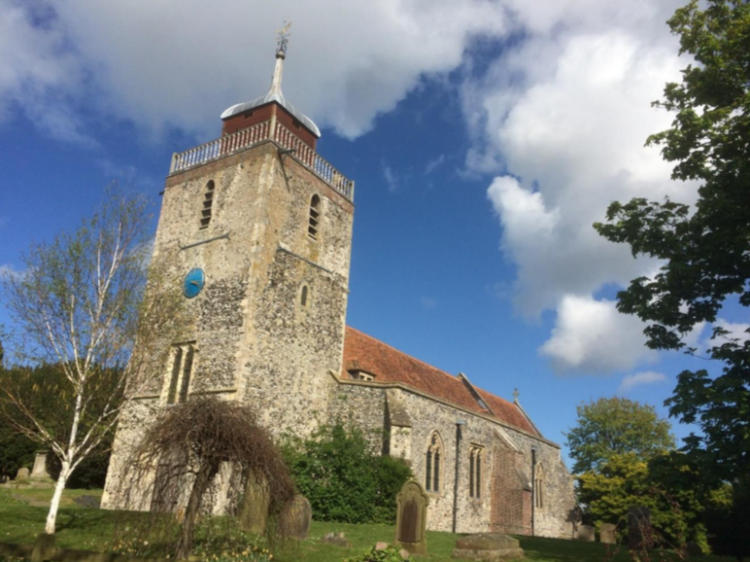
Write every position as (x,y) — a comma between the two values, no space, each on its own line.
(208,200)
(314,219)
(432,464)
(475,472)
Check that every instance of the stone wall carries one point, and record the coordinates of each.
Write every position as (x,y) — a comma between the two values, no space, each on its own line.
(253,336)
(504,500)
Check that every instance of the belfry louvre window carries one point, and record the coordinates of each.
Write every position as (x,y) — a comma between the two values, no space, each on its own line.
(475,472)
(208,201)
(432,464)
(314,219)
(182,360)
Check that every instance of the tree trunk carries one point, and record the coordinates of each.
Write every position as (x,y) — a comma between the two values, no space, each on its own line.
(206,472)
(54,504)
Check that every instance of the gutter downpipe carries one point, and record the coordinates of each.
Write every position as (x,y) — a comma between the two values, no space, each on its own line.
(459,423)
(533,487)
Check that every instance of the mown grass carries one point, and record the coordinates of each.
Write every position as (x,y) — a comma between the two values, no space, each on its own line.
(23,511)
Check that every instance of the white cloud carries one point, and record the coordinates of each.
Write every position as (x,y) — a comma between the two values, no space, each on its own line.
(9,272)
(639,379)
(736,332)
(433,164)
(391,181)
(591,336)
(181,62)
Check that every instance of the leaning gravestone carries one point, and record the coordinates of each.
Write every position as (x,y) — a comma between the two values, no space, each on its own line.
(39,471)
(253,512)
(488,546)
(607,533)
(295,518)
(411,517)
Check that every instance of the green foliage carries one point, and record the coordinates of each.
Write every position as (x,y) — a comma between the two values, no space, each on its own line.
(704,247)
(616,426)
(389,554)
(45,390)
(663,486)
(344,481)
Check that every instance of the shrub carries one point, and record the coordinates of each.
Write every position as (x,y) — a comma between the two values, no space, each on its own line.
(343,479)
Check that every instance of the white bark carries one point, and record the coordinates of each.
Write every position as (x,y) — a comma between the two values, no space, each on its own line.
(54,504)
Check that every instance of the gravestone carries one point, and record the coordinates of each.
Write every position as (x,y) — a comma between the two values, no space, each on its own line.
(586,533)
(488,546)
(295,518)
(411,517)
(640,532)
(253,512)
(22,474)
(39,471)
(607,533)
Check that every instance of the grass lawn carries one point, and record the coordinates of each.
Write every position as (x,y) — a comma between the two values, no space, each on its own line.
(23,510)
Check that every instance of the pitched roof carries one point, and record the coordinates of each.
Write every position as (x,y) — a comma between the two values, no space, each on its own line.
(389,365)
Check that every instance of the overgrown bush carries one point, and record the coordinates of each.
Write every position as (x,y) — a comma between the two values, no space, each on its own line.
(343,479)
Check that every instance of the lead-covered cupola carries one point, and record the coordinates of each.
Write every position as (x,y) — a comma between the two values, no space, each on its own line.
(273,106)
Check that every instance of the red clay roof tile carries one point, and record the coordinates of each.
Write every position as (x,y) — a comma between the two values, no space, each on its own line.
(389,365)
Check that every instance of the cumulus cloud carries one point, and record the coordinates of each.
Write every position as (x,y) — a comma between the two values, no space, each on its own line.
(180,63)
(733,332)
(590,336)
(629,382)
(9,272)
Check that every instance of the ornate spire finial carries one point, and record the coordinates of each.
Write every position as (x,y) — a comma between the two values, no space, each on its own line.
(515,395)
(282,38)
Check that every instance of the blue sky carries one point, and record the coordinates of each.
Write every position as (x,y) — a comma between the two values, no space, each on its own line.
(484,137)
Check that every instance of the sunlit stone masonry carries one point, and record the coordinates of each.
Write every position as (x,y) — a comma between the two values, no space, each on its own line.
(254,238)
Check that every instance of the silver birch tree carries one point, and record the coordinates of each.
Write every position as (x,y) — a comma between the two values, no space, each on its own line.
(78,304)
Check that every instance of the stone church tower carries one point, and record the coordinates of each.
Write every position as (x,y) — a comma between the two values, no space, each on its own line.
(255,231)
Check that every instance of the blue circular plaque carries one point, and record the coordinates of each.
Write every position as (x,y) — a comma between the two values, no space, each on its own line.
(194,281)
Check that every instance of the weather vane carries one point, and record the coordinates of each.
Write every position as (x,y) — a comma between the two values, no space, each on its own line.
(282,38)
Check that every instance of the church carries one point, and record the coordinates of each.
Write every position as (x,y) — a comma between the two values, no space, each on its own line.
(255,235)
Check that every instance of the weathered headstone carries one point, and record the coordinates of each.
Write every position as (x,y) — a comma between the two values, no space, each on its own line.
(39,471)
(488,546)
(253,512)
(586,533)
(22,474)
(295,518)
(640,532)
(607,533)
(411,517)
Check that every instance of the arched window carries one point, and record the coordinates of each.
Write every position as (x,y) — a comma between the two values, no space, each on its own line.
(432,464)
(314,219)
(208,200)
(475,472)
(304,296)
(539,486)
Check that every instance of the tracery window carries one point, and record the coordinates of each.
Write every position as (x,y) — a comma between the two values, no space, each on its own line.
(475,471)
(182,361)
(432,464)
(208,200)
(314,218)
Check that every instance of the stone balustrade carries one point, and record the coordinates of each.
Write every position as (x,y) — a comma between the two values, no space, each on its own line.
(249,137)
